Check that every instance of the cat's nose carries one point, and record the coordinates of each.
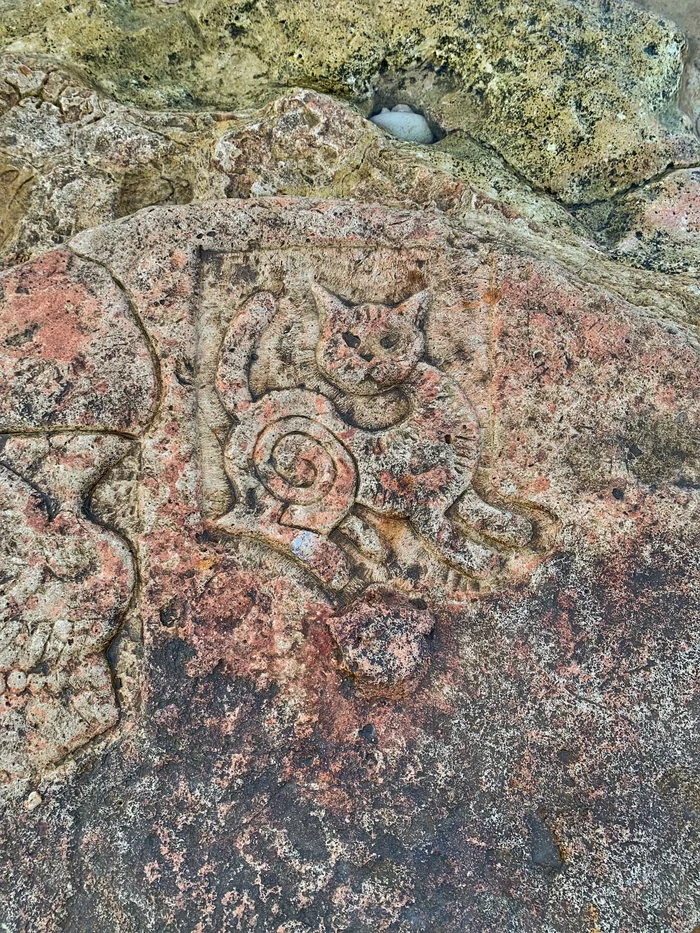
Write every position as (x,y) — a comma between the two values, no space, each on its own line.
(367,357)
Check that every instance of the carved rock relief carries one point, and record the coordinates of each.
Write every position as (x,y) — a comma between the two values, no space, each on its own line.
(351,404)
(335,424)
(332,435)
(77,385)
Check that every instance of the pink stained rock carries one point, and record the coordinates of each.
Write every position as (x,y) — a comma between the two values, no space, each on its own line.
(72,354)
(77,381)
(66,585)
(516,479)
(382,640)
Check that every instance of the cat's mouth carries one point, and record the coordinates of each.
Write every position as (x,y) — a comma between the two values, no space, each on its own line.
(371,385)
(373,378)
(366,386)
(376,385)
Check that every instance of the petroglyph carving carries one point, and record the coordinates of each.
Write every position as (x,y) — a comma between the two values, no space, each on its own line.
(303,479)
(72,355)
(66,584)
(77,385)
(372,428)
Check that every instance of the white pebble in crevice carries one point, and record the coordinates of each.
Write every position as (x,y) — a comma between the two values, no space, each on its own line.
(401,121)
(33,801)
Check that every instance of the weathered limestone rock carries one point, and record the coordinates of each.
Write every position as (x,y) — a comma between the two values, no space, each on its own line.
(349,488)
(77,383)
(578,97)
(66,585)
(404,562)
(685,14)
(74,357)
(73,159)
(382,642)
(655,227)
(70,158)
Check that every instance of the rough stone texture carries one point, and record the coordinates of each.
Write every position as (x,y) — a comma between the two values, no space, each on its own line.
(72,159)
(73,356)
(307,143)
(382,643)
(477,713)
(74,362)
(577,97)
(685,13)
(349,498)
(655,227)
(66,585)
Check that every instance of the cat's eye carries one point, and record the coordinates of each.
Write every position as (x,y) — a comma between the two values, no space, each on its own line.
(387,342)
(350,339)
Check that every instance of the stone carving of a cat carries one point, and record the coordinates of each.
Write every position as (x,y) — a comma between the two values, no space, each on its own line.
(369,423)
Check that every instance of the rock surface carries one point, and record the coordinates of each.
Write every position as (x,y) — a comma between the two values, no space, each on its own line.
(349,488)
(654,227)
(415,525)
(685,14)
(72,159)
(578,98)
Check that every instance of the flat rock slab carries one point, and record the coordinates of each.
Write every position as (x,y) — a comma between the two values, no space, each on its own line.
(351,582)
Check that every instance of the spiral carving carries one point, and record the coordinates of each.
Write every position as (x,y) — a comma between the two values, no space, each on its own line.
(289,441)
(305,466)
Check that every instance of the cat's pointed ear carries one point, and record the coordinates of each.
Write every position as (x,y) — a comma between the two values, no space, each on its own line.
(328,305)
(416,307)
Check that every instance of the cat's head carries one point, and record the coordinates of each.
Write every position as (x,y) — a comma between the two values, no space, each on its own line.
(369,348)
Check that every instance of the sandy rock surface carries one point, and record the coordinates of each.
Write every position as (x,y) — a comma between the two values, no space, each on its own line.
(349,487)
(579,98)
(407,516)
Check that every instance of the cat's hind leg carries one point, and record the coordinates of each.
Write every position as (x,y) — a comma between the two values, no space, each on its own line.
(364,537)
(466,555)
(506,528)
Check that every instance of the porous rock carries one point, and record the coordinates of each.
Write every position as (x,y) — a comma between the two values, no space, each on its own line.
(578,97)
(349,513)
(654,227)
(382,643)
(363,426)
(72,158)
